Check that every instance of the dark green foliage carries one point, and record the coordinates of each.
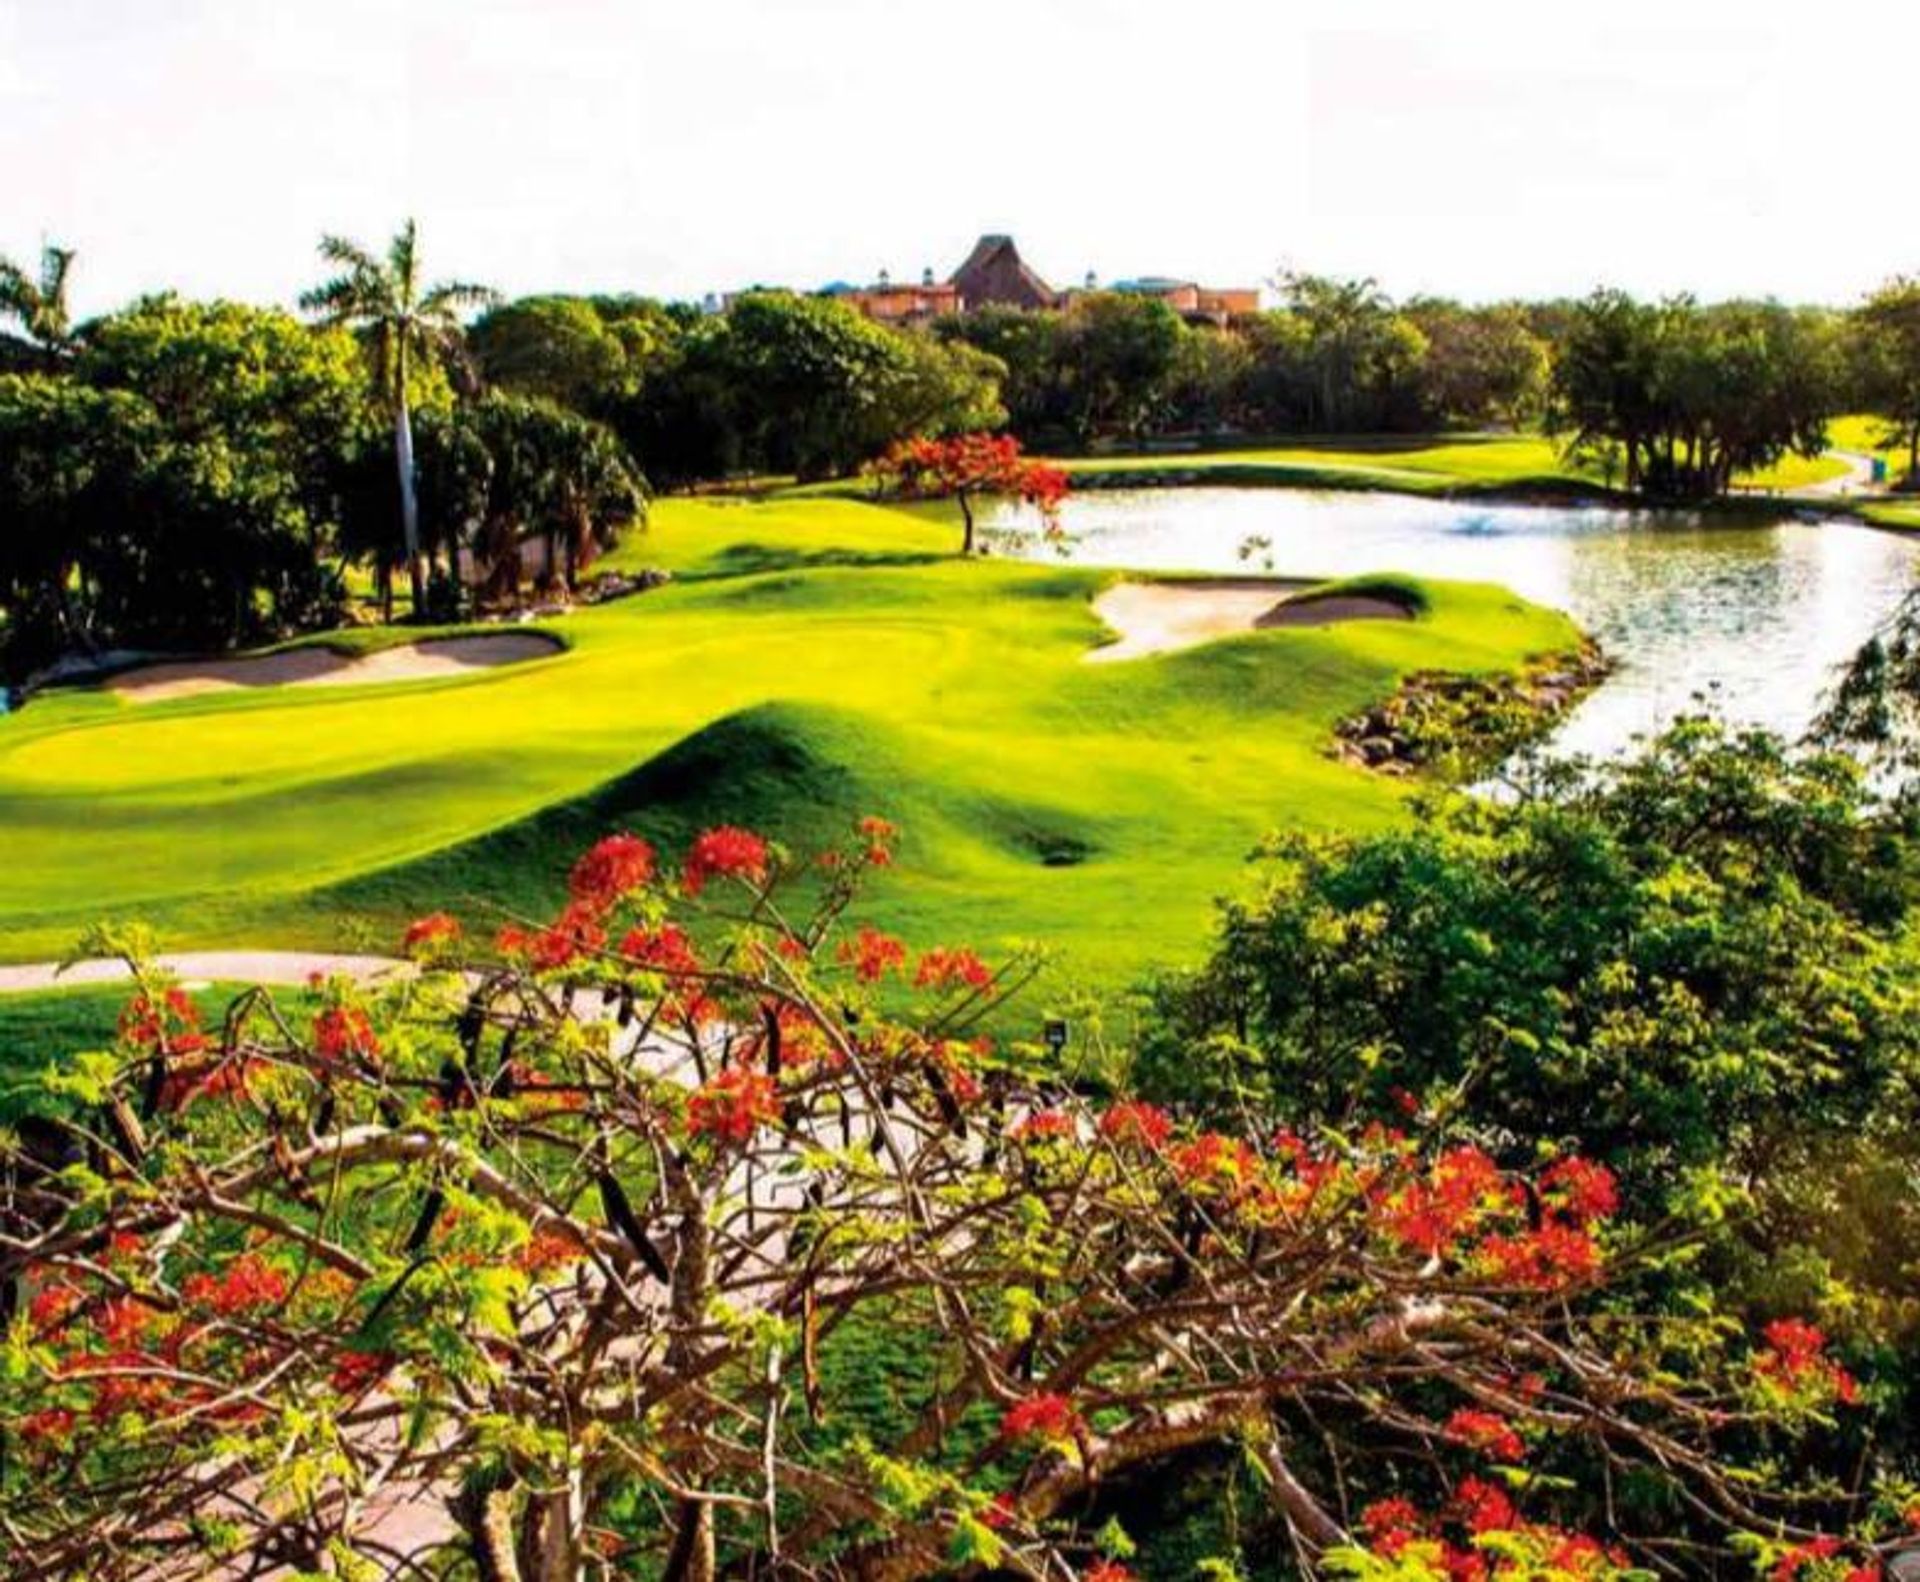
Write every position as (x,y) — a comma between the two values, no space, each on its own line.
(1696,966)
(1694,958)
(1687,396)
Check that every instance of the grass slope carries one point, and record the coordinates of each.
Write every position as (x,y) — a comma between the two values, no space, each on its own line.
(1421,464)
(814,660)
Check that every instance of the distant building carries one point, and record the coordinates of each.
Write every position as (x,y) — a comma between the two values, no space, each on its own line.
(887,303)
(995,273)
(1197,304)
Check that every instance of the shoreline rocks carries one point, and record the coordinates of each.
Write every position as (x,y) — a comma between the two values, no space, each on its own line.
(1437,720)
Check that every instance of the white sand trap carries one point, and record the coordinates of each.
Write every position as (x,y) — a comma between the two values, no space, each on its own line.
(432,660)
(1160,617)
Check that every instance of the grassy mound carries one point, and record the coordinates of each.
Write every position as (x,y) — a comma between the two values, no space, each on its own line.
(1098,807)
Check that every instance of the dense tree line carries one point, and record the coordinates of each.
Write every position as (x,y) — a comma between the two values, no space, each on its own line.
(1338,358)
(778,383)
(1686,395)
(1695,966)
(191,475)
(198,474)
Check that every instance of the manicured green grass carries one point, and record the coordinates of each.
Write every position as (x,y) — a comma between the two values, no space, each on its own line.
(47,1028)
(1867,436)
(1419,464)
(1891,513)
(1415,463)
(842,670)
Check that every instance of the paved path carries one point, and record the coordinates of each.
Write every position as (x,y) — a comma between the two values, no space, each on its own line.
(1857,479)
(278,968)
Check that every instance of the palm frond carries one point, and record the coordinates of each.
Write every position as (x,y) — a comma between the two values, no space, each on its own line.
(55,262)
(456,296)
(349,255)
(403,261)
(18,295)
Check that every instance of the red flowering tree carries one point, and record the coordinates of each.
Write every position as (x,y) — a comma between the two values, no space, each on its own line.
(552,1253)
(967,466)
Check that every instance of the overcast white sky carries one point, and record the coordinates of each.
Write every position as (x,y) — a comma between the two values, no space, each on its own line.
(1477,147)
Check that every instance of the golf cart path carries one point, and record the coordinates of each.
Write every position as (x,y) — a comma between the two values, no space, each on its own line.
(275,968)
(1857,479)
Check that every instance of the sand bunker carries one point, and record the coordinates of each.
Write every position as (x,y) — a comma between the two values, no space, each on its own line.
(434,659)
(1159,617)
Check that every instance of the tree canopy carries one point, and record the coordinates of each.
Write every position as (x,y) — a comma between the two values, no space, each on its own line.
(564,1253)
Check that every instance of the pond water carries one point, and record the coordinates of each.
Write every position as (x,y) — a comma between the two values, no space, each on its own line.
(1756,617)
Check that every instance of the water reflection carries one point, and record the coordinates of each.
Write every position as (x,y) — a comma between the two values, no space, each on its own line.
(1759,616)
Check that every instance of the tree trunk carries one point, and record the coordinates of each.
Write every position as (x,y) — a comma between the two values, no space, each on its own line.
(556,1556)
(966,515)
(409,500)
(488,1518)
(692,1558)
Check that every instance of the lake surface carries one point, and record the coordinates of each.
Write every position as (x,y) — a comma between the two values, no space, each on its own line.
(1756,617)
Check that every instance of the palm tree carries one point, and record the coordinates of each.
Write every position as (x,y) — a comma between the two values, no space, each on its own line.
(40,306)
(383,299)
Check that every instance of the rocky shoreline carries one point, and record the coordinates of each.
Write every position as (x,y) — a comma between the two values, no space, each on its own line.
(1461,725)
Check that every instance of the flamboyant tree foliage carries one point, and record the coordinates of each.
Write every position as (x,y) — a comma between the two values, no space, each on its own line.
(565,1254)
(966,466)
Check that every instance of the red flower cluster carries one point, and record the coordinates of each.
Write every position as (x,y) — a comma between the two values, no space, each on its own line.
(355,1372)
(1106,1571)
(1137,1124)
(872,955)
(610,871)
(1044,1126)
(1478,1509)
(1431,1216)
(343,1032)
(249,1284)
(665,949)
(947,969)
(1047,1417)
(432,934)
(1581,1189)
(1390,1525)
(1486,1431)
(1546,1259)
(879,835)
(1464,1205)
(733,1105)
(224,1078)
(54,1425)
(725,852)
(668,951)
(547,1249)
(1214,1160)
(1800,1556)
(1796,1360)
(170,1024)
(977,463)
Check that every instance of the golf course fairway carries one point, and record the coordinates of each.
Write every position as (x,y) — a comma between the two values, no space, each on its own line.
(812,660)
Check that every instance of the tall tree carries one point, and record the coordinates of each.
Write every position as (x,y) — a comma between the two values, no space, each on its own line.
(1889,364)
(39,304)
(403,320)
(1358,346)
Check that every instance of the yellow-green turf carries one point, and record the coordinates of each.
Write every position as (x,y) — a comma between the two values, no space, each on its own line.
(1421,464)
(814,660)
